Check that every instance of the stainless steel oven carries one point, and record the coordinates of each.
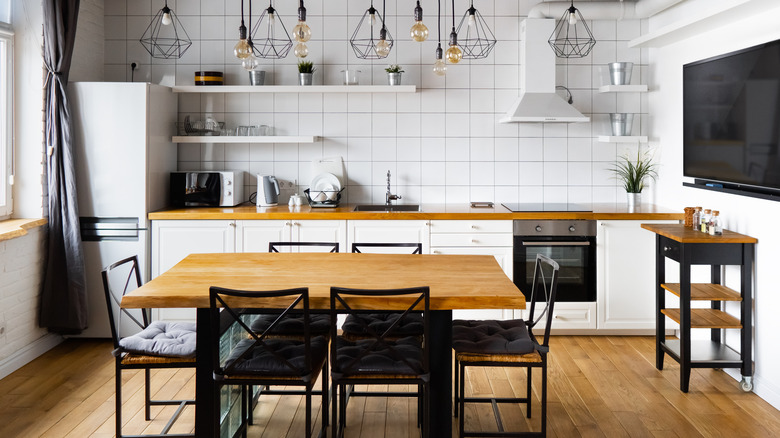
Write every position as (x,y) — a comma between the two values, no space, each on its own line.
(571,243)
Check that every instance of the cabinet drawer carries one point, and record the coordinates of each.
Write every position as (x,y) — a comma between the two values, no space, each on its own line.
(579,315)
(479,226)
(471,239)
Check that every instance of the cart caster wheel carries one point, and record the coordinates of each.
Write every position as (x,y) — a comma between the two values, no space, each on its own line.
(747,383)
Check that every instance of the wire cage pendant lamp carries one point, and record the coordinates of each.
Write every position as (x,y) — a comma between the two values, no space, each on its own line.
(269,35)
(572,38)
(165,36)
(363,41)
(476,39)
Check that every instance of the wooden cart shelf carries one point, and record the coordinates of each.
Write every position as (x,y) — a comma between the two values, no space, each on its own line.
(706,292)
(706,318)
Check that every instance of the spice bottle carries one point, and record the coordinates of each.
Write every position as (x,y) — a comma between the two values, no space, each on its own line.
(716,225)
(696,218)
(705,220)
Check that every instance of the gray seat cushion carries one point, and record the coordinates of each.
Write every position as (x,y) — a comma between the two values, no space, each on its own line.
(162,338)
(381,360)
(411,325)
(491,337)
(261,360)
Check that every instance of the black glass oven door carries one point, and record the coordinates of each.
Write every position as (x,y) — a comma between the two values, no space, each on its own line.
(577,276)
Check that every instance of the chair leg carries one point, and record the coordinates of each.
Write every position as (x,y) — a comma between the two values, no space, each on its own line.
(462,396)
(245,403)
(147,394)
(457,364)
(118,392)
(419,405)
(325,396)
(528,394)
(308,411)
(334,420)
(426,422)
(544,399)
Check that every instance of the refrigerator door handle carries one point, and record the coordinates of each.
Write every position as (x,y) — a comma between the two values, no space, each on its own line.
(98,229)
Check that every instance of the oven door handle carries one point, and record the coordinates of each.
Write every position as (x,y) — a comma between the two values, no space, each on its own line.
(556,243)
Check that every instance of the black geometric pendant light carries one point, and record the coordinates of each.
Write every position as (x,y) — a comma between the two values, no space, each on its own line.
(476,39)
(165,37)
(270,38)
(572,38)
(365,41)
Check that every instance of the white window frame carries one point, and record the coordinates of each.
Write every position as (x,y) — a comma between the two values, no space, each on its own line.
(6,121)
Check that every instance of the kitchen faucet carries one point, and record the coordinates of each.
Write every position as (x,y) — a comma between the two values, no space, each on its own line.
(389,196)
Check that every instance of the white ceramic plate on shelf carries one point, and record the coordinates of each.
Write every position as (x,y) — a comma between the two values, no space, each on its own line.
(325,181)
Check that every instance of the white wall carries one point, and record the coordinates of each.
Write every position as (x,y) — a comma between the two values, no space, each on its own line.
(757,218)
(442,144)
(88,57)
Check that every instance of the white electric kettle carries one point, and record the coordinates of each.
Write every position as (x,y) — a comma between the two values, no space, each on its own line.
(267,191)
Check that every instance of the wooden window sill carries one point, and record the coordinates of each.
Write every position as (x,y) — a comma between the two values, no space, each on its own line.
(12,228)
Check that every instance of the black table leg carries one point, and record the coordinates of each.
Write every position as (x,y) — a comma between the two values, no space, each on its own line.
(685,318)
(441,374)
(204,384)
(660,303)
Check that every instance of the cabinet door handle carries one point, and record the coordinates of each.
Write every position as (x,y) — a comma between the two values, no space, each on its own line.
(288,224)
(232,224)
(297,224)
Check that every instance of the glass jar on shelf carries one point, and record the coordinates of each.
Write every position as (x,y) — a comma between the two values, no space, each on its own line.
(716,224)
(705,220)
(696,218)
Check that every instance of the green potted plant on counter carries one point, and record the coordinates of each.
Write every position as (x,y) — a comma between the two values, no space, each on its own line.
(394,74)
(633,174)
(305,72)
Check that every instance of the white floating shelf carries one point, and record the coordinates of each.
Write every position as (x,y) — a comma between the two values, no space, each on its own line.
(623,89)
(295,89)
(245,139)
(623,138)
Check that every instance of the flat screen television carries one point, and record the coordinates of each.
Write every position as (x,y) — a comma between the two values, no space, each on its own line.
(731,121)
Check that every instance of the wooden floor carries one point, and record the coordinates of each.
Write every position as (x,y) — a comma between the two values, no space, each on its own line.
(598,386)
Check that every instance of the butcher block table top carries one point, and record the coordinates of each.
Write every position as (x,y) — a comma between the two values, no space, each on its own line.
(683,234)
(455,281)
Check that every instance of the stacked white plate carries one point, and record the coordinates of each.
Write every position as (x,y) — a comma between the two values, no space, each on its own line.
(324,187)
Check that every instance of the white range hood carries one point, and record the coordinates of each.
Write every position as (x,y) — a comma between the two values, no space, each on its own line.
(538,101)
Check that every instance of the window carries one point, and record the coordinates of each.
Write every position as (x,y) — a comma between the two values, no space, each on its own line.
(6,120)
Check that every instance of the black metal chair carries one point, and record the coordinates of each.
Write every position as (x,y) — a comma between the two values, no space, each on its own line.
(244,357)
(158,345)
(379,358)
(511,343)
(275,246)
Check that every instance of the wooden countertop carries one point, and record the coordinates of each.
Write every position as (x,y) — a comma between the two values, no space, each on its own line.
(455,281)
(683,234)
(429,211)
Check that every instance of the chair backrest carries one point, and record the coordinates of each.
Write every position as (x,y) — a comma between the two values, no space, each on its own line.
(275,246)
(386,245)
(231,313)
(118,279)
(346,301)
(545,285)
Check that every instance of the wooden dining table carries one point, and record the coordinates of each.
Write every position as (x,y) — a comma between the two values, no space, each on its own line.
(455,282)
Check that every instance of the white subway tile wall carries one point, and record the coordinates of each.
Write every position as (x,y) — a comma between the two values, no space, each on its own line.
(441,144)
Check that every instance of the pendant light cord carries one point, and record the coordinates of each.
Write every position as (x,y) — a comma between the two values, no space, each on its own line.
(438,22)
(384,11)
(453,14)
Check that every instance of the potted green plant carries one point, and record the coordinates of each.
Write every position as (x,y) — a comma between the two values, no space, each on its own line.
(394,74)
(633,174)
(305,72)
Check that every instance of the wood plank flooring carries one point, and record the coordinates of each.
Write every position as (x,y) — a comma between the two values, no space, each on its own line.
(598,386)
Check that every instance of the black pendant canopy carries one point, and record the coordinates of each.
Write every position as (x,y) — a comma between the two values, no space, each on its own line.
(572,38)
(165,37)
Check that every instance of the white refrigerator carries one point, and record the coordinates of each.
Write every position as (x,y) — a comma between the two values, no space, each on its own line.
(124,153)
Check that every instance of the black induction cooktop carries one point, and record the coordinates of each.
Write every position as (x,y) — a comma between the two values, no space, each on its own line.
(551,206)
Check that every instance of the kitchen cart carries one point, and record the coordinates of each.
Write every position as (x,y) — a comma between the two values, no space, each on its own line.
(690,247)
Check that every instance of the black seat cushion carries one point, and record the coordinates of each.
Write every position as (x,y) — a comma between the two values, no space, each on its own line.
(291,324)
(410,325)
(260,360)
(162,338)
(491,337)
(381,359)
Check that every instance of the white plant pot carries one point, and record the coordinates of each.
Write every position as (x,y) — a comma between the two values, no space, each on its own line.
(633,199)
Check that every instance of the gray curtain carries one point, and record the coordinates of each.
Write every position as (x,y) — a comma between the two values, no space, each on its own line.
(63,306)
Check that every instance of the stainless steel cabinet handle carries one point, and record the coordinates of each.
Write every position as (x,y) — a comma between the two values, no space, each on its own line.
(556,243)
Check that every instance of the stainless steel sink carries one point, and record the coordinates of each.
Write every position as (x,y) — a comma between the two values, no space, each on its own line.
(384,207)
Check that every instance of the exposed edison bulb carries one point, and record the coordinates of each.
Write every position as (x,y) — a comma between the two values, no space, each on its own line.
(572,18)
(242,49)
(454,54)
(373,18)
(439,67)
(166,19)
(301,32)
(382,48)
(271,23)
(472,21)
(419,31)
(251,62)
(301,50)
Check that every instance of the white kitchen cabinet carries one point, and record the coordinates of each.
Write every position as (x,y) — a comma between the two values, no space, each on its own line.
(172,240)
(625,280)
(254,235)
(389,231)
(480,237)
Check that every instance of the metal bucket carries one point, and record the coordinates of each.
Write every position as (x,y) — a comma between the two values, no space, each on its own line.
(256,77)
(621,123)
(620,72)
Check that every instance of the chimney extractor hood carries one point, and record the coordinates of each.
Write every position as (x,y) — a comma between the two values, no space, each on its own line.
(538,101)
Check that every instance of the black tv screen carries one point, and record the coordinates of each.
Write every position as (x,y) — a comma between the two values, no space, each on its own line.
(731,118)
